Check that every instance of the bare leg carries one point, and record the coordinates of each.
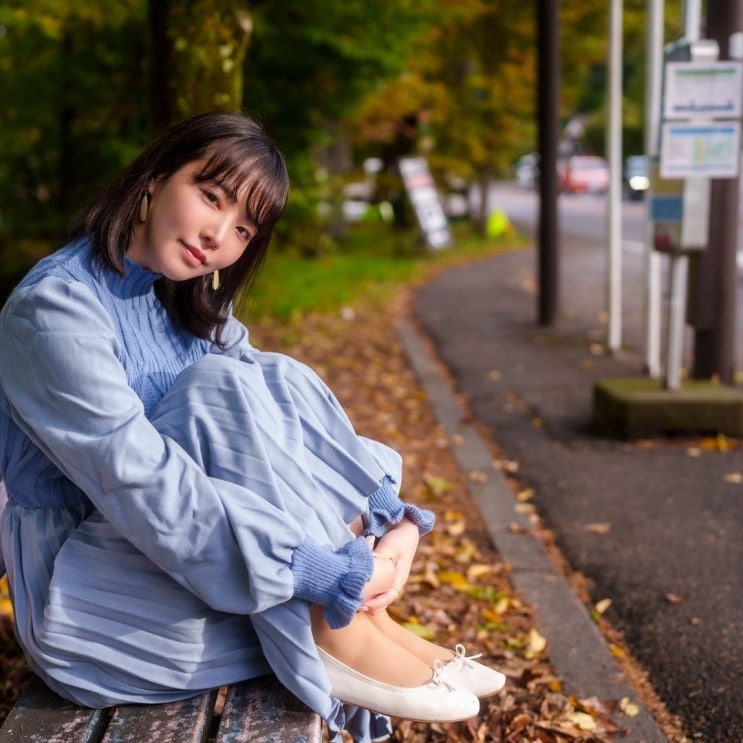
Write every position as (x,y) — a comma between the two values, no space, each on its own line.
(421,648)
(363,647)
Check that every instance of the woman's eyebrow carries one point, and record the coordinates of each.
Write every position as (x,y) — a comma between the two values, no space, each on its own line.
(229,193)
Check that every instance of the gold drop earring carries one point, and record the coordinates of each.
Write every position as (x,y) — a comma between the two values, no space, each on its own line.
(215,279)
(144,207)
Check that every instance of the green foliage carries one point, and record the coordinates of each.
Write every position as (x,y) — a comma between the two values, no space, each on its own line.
(207,43)
(71,113)
(75,104)
(312,61)
(368,260)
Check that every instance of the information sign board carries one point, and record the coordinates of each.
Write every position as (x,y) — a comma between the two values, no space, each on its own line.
(421,189)
(709,149)
(712,90)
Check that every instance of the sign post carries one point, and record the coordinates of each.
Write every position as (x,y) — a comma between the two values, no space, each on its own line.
(700,140)
(421,190)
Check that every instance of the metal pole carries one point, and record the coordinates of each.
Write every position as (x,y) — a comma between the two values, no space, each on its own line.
(614,156)
(678,280)
(679,268)
(548,112)
(653,82)
(714,298)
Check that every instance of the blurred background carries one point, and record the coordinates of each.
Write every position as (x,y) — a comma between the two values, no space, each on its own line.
(344,86)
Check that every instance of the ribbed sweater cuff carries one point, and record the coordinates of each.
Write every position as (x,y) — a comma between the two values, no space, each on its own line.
(386,509)
(333,579)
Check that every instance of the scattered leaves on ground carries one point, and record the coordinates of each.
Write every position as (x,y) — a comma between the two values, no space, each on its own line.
(460,590)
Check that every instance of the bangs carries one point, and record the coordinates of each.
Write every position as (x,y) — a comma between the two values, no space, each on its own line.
(257,174)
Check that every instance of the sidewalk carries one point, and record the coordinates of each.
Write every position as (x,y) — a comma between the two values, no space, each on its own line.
(654,525)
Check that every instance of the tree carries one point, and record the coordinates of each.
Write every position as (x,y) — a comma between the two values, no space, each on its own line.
(70,114)
(197,52)
(311,64)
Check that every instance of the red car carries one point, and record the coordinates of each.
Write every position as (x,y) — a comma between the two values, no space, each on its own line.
(584,174)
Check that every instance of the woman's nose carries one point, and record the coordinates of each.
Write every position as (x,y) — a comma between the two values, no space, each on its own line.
(215,231)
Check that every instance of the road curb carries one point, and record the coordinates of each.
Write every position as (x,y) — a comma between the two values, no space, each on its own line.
(577,650)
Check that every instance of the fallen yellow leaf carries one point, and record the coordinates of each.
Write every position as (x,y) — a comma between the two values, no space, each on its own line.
(582,720)
(422,630)
(527,508)
(536,645)
(477,476)
(629,707)
(603,527)
(602,606)
(478,570)
(502,606)
(437,485)
(454,578)
(6,608)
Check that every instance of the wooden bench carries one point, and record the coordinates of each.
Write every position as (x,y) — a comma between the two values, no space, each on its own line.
(256,711)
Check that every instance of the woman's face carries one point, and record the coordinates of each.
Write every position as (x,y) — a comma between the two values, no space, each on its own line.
(192,228)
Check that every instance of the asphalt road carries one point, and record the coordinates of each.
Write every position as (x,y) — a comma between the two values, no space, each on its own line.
(654,526)
(582,225)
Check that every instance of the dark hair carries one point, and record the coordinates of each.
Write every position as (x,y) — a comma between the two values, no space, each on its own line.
(237,155)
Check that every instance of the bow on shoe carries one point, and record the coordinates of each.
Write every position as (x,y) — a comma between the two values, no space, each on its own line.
(466,673)
(461,657)
(439,678)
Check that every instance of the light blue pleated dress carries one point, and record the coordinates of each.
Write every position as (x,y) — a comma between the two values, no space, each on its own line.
(160,493)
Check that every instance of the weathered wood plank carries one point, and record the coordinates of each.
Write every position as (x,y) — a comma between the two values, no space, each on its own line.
(264,711)
(186,721)
(41,716)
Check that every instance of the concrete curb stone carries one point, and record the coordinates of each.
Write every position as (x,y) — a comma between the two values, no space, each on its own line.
(577,650)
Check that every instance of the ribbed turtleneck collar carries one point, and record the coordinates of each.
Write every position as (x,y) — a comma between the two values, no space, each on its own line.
(136,280)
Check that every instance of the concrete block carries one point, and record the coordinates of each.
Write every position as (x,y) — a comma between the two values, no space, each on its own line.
(629,408)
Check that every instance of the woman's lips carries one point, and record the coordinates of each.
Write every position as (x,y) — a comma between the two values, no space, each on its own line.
(195,256)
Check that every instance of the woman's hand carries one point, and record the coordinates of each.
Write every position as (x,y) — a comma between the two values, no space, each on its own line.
(394,553)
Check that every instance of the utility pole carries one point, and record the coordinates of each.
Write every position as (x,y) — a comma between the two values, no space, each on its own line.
(548,114)
(713,294)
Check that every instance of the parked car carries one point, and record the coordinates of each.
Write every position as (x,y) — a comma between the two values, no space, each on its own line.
(584,174)
(636,179)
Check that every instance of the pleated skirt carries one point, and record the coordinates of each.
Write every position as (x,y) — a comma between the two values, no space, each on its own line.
(103,625)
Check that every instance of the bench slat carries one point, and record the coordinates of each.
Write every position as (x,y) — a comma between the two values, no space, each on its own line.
(264,711)
(186,721)
(41,716)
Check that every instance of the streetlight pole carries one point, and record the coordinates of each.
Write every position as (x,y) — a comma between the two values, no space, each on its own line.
(548,115)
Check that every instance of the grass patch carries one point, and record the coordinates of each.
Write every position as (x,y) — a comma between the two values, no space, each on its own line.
(372,259)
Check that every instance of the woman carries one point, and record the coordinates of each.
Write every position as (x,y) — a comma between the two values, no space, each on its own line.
(185,511)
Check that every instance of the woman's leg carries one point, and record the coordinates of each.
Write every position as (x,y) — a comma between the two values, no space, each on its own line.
(426,651)
(373,653)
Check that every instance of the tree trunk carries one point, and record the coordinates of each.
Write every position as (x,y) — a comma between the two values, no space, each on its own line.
(162,105)
(198,51)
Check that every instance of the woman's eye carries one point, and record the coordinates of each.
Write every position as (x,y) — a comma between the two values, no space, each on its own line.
(211,197)
(244,233)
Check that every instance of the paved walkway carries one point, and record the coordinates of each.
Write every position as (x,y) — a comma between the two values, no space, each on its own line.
(655,525)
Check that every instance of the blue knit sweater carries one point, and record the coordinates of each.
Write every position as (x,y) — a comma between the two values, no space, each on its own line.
(86,355)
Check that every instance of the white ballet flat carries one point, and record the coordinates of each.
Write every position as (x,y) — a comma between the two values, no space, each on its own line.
(466,673)
(435,701)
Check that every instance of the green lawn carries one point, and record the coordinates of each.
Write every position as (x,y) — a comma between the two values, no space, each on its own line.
(371,259)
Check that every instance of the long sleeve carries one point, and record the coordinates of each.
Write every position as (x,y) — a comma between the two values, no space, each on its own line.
(60,371)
